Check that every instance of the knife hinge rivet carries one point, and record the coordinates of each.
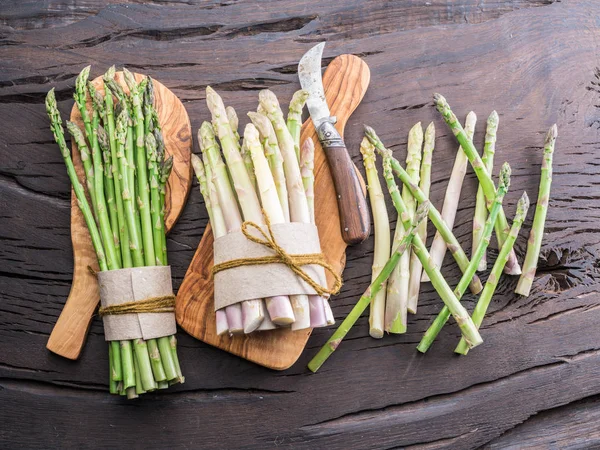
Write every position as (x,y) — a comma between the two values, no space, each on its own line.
(346,229)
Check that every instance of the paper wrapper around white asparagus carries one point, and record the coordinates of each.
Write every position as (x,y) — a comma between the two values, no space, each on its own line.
(131,285)
(241,283)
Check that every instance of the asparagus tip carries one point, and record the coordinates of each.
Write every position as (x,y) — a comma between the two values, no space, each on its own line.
(197,165)
(552,134)
(430,131)
(472,116)
(505,172)
(422,212)
(439,99)
(493,118)
(522,207)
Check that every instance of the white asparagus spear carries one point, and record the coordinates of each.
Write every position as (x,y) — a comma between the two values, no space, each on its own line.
(452,197)
(298,205)
(273,154)
(318,305)
(381,221)
(416,268)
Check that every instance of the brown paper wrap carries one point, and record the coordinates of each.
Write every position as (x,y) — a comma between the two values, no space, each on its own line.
(136,284)
(268,280)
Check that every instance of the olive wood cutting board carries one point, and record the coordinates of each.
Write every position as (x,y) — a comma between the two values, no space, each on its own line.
(70,331)
(345,81)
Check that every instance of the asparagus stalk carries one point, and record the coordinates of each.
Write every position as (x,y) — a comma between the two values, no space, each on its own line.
(100,138)
(294,118)
(416,268)
(434,215)
(375,287)
(143,190)
(444,314)
(110,126)
(413,167)
(496,273)
(273,153)
(485,180)
(536,234)
(82,202)
(80,96)
(319,306)
(452,197)
(382,238)
(298,204)
(155,203)
(468,329)
(135,240)
(480,209)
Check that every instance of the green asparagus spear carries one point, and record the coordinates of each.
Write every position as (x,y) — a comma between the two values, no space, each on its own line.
(536,234)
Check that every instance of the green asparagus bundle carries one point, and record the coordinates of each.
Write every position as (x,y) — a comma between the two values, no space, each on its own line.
(125,174)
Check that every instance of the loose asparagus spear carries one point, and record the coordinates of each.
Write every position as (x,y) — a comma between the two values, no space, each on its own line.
(319,306)
(444,314)
(84,206)
(485,180)
(460,314)
(294,118)
(413,168)
(434,215)
(375,287)
(496,273)
(382,237)
(536,234)
(143,194)
(416,269)
(80,96)
(273,153)
(480,209)
(298,204)
(452,197)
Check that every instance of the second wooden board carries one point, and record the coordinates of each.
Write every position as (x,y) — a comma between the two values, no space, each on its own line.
(345,82)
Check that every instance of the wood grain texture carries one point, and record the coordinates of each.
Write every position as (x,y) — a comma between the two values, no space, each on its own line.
(534,61)
(69,334)
(345,82)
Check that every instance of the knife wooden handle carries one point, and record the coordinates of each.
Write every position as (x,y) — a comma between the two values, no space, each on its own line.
(355,219)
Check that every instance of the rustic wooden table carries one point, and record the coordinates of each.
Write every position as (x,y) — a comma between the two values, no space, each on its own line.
(534,381)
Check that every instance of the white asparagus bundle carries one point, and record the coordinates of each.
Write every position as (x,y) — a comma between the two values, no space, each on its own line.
(264,171)
(382,249)
(416,268)
(452,197)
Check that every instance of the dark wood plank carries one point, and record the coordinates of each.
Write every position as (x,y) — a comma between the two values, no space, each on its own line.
(533,61)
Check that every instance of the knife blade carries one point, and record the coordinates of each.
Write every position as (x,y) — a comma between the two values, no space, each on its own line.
(354,215)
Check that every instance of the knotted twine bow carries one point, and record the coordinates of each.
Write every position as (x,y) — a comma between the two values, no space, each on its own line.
(294,262)
(162,304)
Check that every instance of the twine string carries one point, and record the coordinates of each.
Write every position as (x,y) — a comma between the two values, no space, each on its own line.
(294,262)
(162,304)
